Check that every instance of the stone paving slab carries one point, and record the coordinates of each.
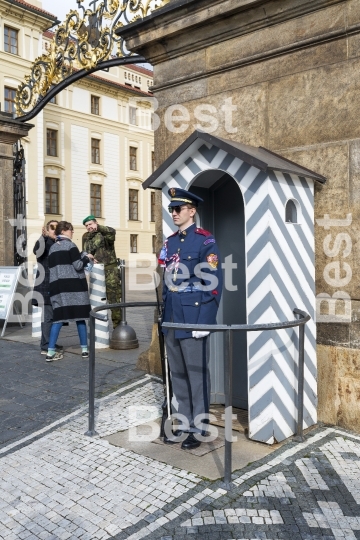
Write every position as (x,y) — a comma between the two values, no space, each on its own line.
(61,484)
(206,461)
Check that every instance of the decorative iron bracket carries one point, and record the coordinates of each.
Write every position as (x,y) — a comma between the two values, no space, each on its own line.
(84,43)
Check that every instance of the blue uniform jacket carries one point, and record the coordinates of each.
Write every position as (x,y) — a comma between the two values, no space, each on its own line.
(192,278)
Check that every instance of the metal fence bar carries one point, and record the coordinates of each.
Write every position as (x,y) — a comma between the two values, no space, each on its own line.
(94,314)
(229,329)
(228,405)
(300,422)
(304,317)
(91,431)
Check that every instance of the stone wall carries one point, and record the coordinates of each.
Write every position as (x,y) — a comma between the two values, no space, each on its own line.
(292,69)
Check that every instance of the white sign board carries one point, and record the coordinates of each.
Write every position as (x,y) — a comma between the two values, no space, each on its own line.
(9,279)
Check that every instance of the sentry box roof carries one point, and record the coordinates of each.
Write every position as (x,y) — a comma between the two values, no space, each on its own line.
(260,157)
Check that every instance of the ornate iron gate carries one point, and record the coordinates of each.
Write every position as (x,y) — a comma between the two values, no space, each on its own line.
(20,232)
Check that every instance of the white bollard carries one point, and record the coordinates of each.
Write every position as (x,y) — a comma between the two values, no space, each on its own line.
(97,290)
(36,316)
(36,313)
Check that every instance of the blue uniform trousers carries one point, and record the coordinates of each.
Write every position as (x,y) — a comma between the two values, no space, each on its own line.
(189,367)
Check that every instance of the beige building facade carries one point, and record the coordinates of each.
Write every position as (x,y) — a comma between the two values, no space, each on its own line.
(290,69)
(91,148)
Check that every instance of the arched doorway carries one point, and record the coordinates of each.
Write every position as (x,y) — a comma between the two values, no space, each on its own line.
(223,214)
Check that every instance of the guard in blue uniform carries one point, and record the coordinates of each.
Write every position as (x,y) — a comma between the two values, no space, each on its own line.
(191,294)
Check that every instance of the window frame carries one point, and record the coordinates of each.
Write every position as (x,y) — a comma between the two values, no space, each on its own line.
(6,100)
(134,243)
(94,198)
(53,100)
(95,156)
(133,205)
(133,158)
(133,115)
(292,210)
(97,100)
(152,206)
(49,141)
(9,44)
(50,209)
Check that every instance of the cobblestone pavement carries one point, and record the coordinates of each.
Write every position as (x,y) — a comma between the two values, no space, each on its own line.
(34,393)
(61,484)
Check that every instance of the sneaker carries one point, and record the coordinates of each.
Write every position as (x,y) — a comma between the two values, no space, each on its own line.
(59,348)
(56,356)
(85,354)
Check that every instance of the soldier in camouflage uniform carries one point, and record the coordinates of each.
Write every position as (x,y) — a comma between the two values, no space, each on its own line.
(99,241)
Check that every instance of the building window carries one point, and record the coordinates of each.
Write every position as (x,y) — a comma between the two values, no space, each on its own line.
(53,100)
(95,200)
(10,94)
(154,244)
(132,116)
(51,142)
(95,105)
(95,151)
(152,213)
(133,243)
(133,160)
(11,40)
(291,212)
(133,204)
(152,161)
(52,195)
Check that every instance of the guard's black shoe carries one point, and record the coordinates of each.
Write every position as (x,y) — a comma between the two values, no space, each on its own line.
(190,442)
(175,437)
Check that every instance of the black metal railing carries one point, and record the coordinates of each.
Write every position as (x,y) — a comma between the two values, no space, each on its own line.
(303,319)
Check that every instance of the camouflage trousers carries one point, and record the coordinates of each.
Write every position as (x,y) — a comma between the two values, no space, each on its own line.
(113,292)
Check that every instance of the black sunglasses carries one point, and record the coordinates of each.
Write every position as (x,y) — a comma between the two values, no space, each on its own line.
(177,209)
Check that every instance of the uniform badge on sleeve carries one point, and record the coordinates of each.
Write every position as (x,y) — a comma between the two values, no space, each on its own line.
(213,260)
(163,255)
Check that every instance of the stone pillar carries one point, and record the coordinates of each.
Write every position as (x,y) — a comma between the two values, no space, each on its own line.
(10,131)
(205,52)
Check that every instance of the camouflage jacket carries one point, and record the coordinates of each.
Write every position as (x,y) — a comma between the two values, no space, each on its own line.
(100,243)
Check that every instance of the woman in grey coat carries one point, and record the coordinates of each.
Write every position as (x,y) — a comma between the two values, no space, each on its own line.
(68,287)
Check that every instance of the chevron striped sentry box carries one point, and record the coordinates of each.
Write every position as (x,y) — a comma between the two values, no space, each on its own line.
(276,234)
(97,290)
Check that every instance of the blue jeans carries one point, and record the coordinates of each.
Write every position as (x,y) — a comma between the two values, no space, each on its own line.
(55,331)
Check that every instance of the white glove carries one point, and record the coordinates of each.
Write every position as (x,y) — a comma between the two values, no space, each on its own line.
(197,334)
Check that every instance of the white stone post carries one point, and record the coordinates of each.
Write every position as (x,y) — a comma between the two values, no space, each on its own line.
(36,313)
(97,289)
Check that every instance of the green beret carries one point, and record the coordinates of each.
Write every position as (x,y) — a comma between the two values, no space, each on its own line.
(89,218)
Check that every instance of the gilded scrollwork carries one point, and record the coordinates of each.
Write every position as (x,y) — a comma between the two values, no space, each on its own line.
(84,40)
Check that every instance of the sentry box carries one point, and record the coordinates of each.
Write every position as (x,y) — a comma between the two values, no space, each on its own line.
(260,208)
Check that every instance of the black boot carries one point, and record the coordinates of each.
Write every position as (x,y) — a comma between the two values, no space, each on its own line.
(190,442)
(175,438)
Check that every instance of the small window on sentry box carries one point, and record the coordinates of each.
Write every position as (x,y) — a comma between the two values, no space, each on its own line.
(291,211)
